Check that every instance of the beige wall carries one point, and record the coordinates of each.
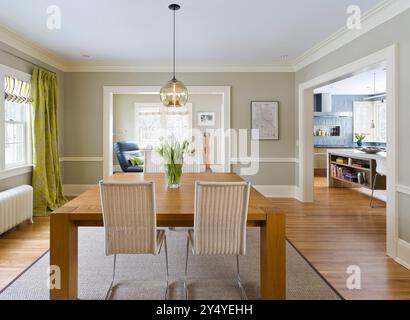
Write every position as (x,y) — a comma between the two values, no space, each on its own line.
(17,60)
(83,116)
(391,32)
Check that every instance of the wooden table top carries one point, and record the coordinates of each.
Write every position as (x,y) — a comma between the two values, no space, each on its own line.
(172,204)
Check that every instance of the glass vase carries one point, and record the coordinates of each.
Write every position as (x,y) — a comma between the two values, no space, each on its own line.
(173,174)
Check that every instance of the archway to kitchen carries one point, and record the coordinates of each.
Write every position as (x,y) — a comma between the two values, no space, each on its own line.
(385,58)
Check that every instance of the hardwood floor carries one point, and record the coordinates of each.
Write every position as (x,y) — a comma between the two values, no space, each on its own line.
(340,229)
(20,247)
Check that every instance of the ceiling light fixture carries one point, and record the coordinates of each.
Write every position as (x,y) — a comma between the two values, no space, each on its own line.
(174,93)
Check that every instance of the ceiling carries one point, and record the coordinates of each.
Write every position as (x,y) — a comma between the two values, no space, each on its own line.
(360,84)
(209,33)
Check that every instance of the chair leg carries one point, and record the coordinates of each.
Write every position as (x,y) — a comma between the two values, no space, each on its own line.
(239,281)
(166,262)
(372,196)
(109,292)
(186,270)
(373,187)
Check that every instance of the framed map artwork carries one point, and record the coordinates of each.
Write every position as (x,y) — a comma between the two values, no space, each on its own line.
(265,120)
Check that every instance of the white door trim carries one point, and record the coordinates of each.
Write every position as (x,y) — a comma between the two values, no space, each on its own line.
(305,183)
(109,91)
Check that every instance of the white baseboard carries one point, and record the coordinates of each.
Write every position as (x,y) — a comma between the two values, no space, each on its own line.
(72,190)
(277,191)
(403,253)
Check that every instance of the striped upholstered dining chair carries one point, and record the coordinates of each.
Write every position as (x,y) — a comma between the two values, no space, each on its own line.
(129,215)
(220,217)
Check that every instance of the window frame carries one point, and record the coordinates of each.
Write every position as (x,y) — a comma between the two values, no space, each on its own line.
(26,166)
(374,134)
(139,105)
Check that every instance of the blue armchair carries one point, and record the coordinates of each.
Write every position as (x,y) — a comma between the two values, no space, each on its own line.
(124,151)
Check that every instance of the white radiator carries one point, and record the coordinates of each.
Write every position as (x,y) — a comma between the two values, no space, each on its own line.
(16,206)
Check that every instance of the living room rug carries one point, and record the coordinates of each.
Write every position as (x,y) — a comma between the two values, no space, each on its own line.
(143,276)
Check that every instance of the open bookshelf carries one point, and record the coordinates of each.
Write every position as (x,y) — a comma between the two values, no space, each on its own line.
(356,172)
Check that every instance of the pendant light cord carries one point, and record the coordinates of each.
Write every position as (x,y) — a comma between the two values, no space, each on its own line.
(174,49)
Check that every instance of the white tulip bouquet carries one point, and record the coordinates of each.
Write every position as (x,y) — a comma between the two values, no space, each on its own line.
(173,153)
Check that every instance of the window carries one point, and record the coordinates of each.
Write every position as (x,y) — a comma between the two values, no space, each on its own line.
(15,126)
(154,121)
(364,113)
(16,134)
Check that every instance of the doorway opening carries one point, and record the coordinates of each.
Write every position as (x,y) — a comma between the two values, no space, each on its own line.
(384,59)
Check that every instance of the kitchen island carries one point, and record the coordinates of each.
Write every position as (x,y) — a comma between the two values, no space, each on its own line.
(353,168)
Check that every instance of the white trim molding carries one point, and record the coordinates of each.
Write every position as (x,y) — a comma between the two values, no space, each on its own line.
(246,160)
(387,57)
(403,189)
(403,253)
(378,15)
(131,67)
(108,118)
(14,172)
(271,191)
(81,159)
(26,46)
(73,190)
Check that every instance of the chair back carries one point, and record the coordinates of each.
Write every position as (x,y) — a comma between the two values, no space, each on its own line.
(124,150)
(220,214)
(381,166)
(129,215)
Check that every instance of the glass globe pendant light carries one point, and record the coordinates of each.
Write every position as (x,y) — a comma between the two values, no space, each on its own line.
(174,93)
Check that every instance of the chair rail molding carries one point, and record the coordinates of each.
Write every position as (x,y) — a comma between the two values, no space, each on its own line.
(246,160)
(403,189)
(81,159)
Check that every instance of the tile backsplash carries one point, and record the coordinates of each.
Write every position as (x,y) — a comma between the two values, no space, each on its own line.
(340,103)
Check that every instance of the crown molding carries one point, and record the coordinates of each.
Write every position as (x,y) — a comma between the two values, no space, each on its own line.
(378,15)
(132,67)
(26,46)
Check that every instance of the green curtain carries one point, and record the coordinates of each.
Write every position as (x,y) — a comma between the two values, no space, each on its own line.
(46,180)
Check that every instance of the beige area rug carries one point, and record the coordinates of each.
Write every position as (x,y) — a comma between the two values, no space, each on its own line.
(142,276)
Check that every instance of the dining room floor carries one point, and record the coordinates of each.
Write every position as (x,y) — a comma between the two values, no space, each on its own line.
(337,230)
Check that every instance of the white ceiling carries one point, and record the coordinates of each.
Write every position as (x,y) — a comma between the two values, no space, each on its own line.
(360,84)
(211,32)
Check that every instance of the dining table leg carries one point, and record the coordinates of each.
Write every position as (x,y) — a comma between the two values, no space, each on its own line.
(63,258)
(273,257)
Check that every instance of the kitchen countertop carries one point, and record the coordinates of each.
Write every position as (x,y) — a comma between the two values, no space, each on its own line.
(359,154)
(334,147)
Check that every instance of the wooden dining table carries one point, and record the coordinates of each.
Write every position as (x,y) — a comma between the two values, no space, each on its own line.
(175,208)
